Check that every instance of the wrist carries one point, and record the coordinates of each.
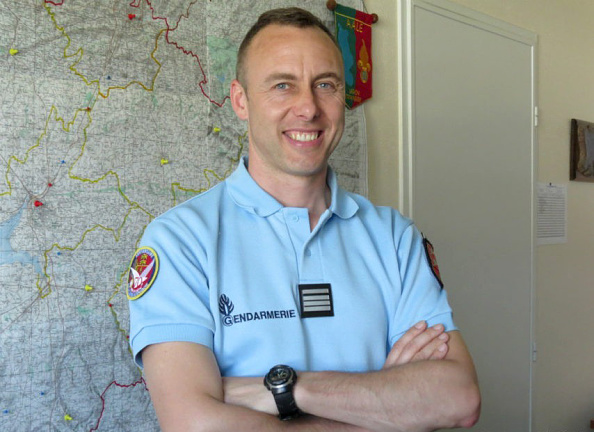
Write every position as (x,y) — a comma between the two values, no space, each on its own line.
(315,391)
(248,392)
(280,381)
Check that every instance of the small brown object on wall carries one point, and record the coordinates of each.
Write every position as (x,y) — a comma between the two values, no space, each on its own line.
(581,165)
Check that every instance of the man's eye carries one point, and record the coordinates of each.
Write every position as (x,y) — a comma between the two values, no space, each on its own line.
(325,86)
(282,86)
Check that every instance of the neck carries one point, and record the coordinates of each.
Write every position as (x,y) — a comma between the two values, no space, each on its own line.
(309,192)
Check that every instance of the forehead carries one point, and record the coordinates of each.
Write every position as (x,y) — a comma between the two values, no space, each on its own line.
(284,47)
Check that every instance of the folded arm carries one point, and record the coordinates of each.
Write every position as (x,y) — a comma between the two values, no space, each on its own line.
(409,393)
(187,392)
(416,396)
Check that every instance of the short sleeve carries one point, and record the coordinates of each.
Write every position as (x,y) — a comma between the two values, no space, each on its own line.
(422,296)
(176,305)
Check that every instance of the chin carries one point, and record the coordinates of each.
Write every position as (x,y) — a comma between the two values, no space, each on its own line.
(308,171)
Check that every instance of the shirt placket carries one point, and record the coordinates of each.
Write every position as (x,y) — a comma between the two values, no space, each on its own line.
(305,245)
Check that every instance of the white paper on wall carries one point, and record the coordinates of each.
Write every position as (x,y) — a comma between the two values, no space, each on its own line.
(551,214)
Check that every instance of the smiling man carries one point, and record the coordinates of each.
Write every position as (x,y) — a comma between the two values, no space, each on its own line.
(295,112)
(278,294)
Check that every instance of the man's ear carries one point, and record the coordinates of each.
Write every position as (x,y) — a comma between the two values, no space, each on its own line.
(238,98)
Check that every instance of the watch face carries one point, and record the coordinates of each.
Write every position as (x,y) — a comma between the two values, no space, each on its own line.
(280,375)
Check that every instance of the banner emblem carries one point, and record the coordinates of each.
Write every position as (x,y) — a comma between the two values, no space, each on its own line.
(353,33)
(143,272)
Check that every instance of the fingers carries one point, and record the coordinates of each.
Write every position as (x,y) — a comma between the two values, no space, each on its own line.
(419,343)
(434,350)
(400,345)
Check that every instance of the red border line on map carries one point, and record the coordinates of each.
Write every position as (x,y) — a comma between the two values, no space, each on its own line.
(136,4)
(134,384)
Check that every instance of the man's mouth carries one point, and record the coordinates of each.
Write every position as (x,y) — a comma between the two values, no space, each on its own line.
(303,136)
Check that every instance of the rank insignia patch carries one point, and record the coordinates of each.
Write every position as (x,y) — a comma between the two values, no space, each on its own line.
(316,300)
(430,253)
(143,272)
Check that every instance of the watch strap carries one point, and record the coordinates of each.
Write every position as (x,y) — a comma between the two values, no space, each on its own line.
(287,407)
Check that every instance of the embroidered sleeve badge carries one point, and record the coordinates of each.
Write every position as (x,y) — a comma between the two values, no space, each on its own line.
(143,272)
(430,253)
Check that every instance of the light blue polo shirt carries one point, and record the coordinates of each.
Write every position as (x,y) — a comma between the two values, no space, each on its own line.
(230,263)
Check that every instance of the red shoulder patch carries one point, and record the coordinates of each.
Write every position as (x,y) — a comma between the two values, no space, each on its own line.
(430,253)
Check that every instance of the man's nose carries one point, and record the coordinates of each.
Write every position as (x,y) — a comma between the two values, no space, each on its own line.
(306,105)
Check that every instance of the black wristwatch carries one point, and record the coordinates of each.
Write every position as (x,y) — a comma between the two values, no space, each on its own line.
(280,381)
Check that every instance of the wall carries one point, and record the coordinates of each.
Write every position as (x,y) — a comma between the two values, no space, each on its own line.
(564,372)
(381,111)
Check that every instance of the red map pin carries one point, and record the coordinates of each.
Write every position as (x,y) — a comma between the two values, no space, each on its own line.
(37,203)
(131,16)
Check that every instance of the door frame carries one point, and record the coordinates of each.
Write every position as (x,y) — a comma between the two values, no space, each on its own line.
(406,109)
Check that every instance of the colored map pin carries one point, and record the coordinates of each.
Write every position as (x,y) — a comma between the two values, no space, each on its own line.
(131,16)
(67,417)
(37,203)
(212,129)
(164,162)
(88,288)
(13,51)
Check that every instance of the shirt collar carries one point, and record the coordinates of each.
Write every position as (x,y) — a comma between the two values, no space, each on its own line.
(246,193)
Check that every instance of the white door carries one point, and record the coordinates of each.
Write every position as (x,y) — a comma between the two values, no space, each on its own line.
(468,175)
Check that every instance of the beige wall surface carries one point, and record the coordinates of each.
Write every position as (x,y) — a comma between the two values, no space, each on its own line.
(381,111)
(564,371)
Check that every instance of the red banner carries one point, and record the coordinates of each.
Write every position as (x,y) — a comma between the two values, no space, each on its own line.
(353,33)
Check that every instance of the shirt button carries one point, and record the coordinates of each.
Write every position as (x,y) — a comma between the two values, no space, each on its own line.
(295,218)
(307,252)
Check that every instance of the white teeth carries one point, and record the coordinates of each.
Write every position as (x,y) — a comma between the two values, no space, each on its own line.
(300,136)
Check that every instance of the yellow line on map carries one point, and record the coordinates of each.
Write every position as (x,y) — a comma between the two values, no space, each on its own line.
(80,52)
(46,290)
(65,126)
(176,186)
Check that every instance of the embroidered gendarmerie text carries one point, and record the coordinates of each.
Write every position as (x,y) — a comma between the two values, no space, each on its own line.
(226,308)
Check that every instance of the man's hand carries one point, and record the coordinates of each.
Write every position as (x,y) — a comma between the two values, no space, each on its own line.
(419,343)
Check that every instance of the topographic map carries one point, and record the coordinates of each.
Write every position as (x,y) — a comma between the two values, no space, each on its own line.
(111,112)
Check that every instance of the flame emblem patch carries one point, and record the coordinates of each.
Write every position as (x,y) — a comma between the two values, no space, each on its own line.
(430,253)
(143,272)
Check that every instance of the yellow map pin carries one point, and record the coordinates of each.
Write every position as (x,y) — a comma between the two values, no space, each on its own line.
(13,51)
(164,162)
(88,288)
(216,129)
(67,417)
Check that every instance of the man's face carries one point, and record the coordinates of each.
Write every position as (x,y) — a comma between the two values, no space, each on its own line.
(294,101)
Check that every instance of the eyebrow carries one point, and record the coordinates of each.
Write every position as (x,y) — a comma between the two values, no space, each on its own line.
(329,75)
(280,76)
